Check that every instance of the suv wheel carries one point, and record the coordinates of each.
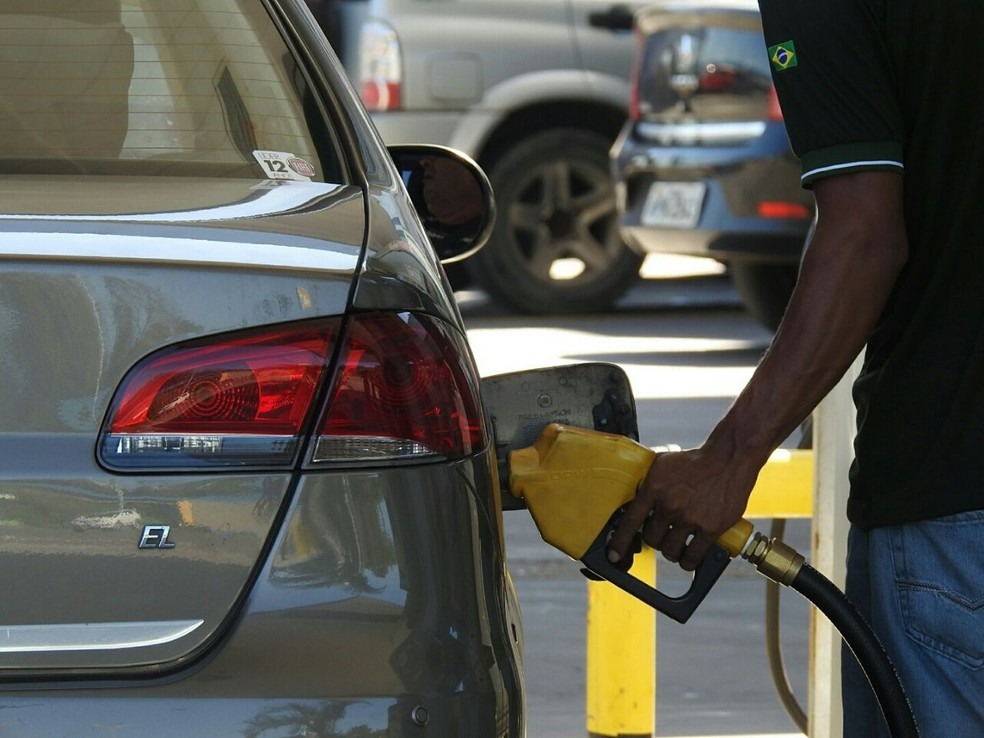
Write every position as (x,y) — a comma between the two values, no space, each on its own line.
(555,247)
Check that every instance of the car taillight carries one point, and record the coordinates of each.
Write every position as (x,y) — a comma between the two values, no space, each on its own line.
(380,67)
(716,79)
(777,209)
(238,400)
(404,389)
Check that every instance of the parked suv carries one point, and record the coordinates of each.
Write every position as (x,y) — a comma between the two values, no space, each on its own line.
(703,165)
(536,94)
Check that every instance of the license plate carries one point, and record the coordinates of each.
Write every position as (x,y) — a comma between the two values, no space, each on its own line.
(673,204)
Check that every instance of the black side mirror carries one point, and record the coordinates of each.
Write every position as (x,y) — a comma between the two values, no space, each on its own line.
(451,194)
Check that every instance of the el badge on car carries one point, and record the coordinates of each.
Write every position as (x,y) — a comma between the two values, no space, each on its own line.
(156,537)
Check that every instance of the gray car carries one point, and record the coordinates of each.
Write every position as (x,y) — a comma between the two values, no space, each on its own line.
(247,481)
(703,166)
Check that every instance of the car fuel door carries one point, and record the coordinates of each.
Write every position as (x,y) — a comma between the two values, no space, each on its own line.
(594,395)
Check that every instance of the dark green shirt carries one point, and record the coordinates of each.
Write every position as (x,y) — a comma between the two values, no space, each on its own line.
(897,85)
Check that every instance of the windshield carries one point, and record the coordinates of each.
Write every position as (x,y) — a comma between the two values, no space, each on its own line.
(155,87)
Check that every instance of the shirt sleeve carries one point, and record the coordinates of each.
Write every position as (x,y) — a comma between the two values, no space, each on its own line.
(833,74)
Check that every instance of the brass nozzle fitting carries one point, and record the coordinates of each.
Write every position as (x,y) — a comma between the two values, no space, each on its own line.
(774,559)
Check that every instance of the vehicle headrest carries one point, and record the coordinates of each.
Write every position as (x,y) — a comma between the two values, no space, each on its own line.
(65,72)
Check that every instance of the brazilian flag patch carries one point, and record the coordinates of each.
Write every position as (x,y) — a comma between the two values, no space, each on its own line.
(783,56)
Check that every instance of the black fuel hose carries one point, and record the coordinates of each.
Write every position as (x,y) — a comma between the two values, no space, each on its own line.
(865,646)
(773,645)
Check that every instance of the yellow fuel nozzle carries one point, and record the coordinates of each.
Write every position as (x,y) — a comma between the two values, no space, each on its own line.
(574,482)
(573,479)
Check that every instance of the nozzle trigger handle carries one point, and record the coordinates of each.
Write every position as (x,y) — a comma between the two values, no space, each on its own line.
(679,608)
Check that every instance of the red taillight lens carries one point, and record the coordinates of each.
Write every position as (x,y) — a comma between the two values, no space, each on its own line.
(716,79)
(404,389)
(380,95)
(380,67)
(775,209)
(237,400)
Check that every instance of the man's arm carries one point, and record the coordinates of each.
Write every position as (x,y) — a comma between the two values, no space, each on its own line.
(690,498)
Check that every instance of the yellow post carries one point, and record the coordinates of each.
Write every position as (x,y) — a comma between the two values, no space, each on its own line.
(784,488)
(621,658)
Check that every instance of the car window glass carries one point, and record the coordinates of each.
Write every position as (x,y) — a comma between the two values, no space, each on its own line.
(162,87)
(727,65)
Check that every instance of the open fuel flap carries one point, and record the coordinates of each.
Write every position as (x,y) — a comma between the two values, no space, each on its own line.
(593,395)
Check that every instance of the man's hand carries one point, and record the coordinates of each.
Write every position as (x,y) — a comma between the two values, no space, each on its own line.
(687,500)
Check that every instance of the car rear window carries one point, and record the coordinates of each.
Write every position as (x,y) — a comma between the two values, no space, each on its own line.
(162,87)
(714,72)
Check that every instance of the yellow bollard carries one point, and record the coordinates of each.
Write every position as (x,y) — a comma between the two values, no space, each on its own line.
(621,658)
(784,488)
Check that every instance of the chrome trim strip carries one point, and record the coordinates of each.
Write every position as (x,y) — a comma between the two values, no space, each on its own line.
(92,636)
(88,246)
(700,133)
(267,198)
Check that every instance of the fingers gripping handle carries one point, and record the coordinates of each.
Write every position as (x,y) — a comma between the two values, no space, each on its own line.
(679,608)
(572,479)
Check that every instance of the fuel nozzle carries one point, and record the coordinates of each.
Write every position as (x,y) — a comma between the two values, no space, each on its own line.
(574,479)
(576,483)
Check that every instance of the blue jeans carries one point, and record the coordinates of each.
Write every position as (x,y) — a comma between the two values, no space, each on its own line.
(921,587)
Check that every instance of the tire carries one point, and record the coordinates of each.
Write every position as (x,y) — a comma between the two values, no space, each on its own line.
(555,246)
(764,289)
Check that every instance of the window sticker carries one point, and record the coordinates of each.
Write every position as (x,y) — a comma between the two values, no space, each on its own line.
(281,165)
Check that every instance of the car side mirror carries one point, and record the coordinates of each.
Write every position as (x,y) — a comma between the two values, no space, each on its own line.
(452,196)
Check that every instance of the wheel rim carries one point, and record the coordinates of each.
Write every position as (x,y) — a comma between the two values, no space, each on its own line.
(561,221)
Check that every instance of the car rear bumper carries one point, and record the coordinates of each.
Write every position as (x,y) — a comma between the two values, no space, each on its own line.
(746,185)
(383,602)
(728,245)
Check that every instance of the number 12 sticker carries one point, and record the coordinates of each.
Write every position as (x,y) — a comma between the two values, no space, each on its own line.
(281,165)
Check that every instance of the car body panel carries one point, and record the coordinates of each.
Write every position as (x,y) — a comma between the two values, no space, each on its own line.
(82,518)
(349,616)
(400,269)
